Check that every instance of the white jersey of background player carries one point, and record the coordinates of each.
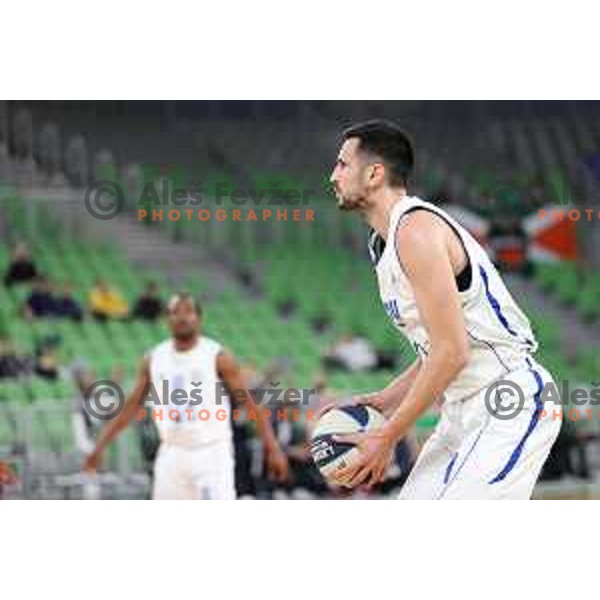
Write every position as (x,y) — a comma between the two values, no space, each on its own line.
(195,459)
(441,290)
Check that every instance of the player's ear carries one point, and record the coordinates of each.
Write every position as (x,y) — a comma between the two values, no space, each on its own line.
(375,174)
(367,174)
(378,173)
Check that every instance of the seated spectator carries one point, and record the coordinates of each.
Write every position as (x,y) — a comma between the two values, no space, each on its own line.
(41,302)
(21,268)
(321,323)
(66,306)
(149,305)
(286,308)
(46,364)
(106,302)
(351,353)
(247,277)
(11,364)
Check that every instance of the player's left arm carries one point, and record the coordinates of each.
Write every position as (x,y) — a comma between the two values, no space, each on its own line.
(423,250)
(231,374)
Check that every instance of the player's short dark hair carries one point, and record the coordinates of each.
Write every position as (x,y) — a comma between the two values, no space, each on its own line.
(182,296)
(388,142)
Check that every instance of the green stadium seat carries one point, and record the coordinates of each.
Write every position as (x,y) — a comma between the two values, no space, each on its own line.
(568,284)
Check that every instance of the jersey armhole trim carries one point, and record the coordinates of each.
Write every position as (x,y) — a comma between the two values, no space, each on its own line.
(464,280)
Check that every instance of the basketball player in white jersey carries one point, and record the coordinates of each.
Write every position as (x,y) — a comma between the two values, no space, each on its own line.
(441,291)
(195,459)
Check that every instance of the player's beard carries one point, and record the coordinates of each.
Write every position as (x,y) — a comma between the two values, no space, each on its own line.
(351,203)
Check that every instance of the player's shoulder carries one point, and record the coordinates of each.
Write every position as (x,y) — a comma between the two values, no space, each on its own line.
(211,344)
(165,347)
(159,349)
(419,210)
(420,235)
(418,227)
(420,220)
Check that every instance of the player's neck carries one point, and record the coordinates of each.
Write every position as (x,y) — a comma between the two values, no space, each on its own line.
(377,213)
(183,345)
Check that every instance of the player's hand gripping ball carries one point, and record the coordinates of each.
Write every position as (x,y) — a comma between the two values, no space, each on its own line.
(329,455)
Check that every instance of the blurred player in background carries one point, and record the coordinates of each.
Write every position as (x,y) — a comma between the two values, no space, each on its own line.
(440,289)
(195,459)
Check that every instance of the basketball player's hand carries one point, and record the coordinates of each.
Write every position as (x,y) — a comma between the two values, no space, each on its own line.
(6,475)
(277,464)
(92,462)
(376,449)
(374,400)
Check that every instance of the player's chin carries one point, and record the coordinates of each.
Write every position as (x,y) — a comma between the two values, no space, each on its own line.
(346,205)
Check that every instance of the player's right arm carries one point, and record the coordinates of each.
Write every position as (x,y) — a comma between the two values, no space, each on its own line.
(116,425)
(389,398)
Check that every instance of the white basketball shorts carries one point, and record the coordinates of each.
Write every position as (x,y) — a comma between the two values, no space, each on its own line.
(204,473)
(473,454)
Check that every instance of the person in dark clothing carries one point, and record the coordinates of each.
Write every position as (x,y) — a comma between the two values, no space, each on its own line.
(21,268)
(66,306)
(568,456)
(149,305)
(286,308)
(11,364)
(41,302)
(297,438)
(248,481)
(46,364)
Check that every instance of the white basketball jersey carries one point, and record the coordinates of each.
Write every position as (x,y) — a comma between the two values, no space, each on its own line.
(195,369)
(500,336)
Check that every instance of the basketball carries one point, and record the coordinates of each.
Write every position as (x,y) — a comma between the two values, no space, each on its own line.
(329,455)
